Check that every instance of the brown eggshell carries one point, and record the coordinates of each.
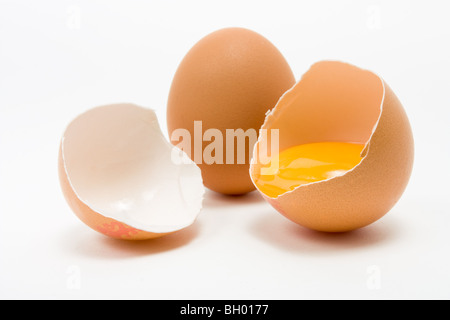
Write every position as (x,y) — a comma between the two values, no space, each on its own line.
(335,101)
(122,178)
(107,226)
(228,80)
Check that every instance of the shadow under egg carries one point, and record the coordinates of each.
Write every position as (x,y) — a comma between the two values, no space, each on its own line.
(96,245)
(213,199)
(280,232)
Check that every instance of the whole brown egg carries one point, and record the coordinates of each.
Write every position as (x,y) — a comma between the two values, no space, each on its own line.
(218,100)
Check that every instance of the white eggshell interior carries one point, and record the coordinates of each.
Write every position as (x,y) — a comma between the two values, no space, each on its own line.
(121,166)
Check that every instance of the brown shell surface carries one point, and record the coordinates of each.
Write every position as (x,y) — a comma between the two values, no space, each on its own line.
(228,80)
(367,192)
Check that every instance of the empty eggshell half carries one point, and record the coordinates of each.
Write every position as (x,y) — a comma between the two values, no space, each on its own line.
(339,102)
(121,177)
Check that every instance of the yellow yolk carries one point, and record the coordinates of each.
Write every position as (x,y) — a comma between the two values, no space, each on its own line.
(307,163)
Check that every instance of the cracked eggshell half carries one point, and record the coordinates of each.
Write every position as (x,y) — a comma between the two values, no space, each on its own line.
(123,179)
(339,102)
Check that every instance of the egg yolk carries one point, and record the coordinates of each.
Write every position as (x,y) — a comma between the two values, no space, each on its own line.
(307,163)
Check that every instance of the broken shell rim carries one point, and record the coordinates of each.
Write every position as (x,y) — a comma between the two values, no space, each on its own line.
(364,153)
(133,225)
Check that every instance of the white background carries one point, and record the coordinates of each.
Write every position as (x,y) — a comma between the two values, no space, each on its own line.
(60,58)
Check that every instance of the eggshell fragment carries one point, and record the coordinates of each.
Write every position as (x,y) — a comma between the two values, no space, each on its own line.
(335,101)
(227,81)
(119,175)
